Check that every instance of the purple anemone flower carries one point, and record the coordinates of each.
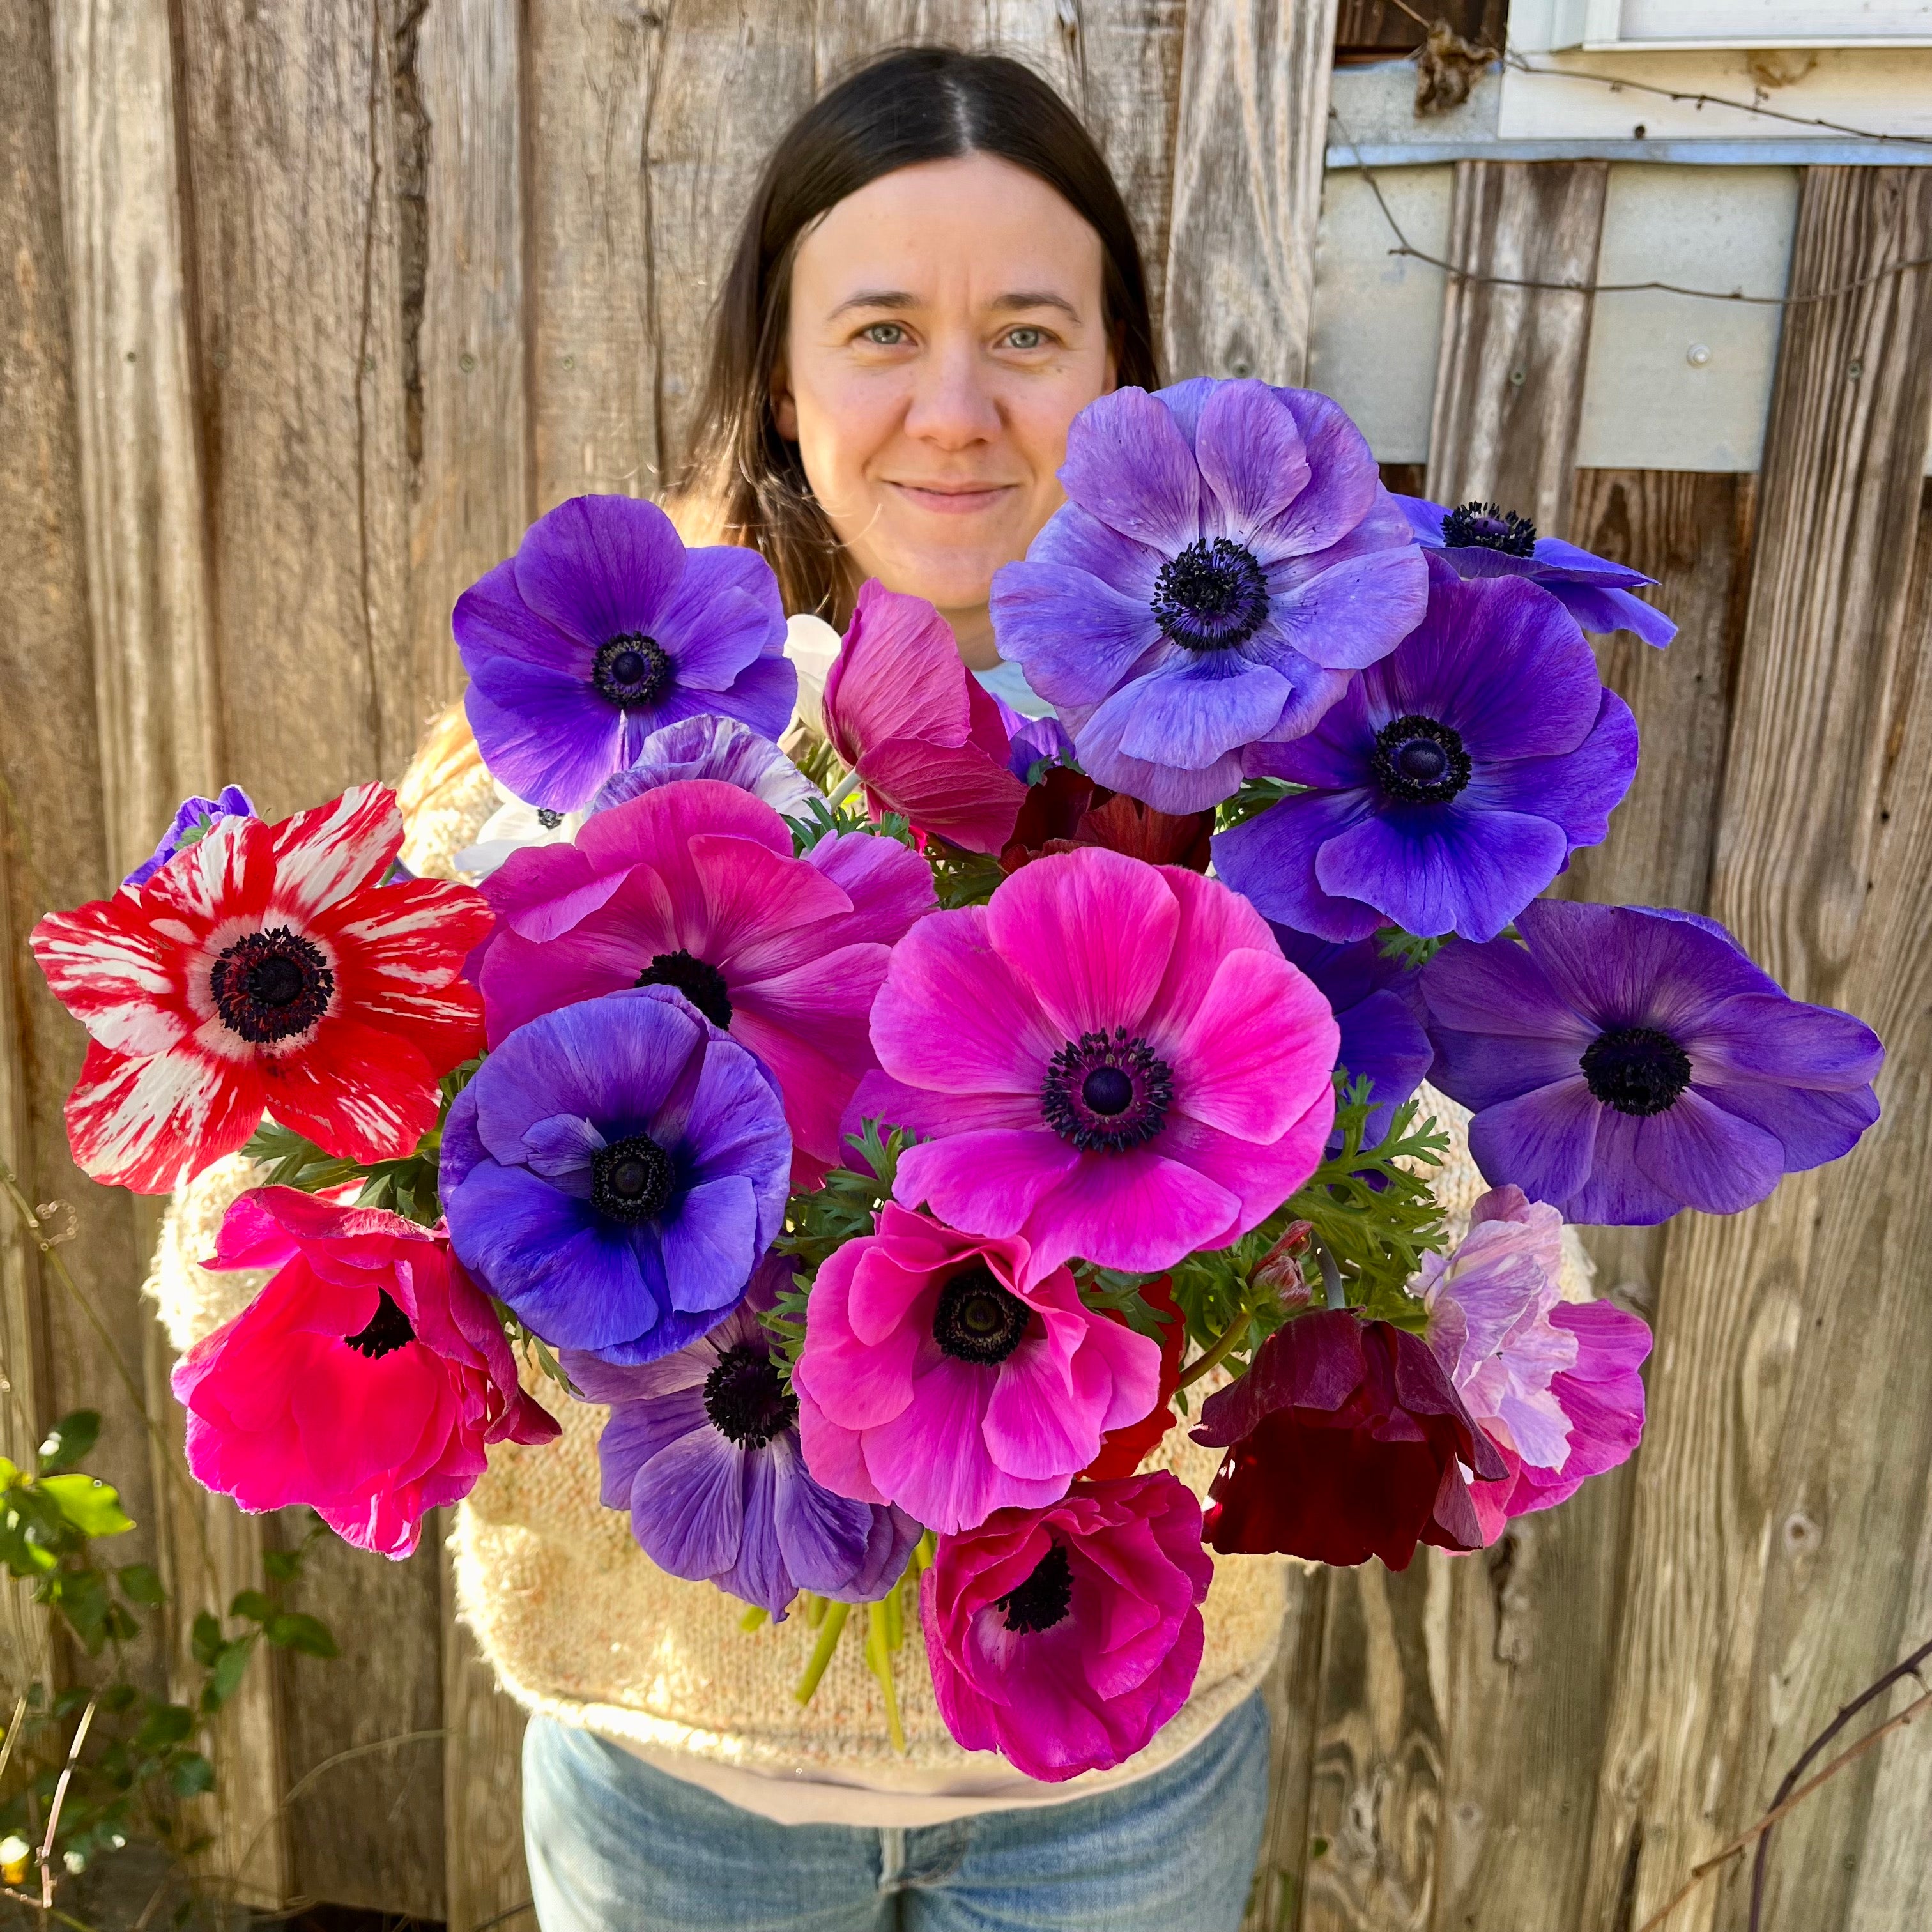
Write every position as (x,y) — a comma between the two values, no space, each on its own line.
(1377,1002)
(614,1171)
(1450,784)
(1628,1061)
(194,819)
(1483,540)
(1038,744)
(604,627)
(1226,559)
(702,1448)
(712,748)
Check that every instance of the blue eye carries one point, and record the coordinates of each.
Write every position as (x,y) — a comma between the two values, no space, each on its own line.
(1026,338)
(883,334)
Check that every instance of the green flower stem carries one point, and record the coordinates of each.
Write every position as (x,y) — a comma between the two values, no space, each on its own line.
(879,1661)
(755,1619)
(828,1633)
(925,1550)
(1230,1338)
(846,786)
(814,1608)
(893,1610)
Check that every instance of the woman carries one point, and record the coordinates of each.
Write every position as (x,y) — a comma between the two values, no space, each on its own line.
(936,275)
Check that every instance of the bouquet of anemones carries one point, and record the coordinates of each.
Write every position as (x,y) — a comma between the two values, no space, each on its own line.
(901,1137)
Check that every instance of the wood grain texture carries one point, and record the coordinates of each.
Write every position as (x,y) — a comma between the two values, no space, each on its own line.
(1509,380)
(465,350)
(483,1775)
(1383,30)
(1251,132)
(1764,1584)
(1375,1807)
(1292,1692)
(54,843)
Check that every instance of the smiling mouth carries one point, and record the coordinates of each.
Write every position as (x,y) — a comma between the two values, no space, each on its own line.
(955,499)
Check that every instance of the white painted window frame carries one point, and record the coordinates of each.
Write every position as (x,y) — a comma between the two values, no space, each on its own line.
(1596,26)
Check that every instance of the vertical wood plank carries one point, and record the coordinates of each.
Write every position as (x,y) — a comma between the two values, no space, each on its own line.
(1509,382)
(54,851)
(1292,1692)
(1764,1584)
(1251,133)
(299,190)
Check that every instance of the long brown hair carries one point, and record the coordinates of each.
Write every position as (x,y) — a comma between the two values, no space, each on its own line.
(917,104)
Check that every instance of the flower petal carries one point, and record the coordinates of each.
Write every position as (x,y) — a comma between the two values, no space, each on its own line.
(1128,465)
(600,567)
(1543,1141)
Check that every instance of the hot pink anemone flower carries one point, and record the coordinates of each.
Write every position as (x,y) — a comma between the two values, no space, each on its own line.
(694,886)
(1109,1059)
(265,968)
(364,1380)
(931,1379)
(1064,1638)
(904,713)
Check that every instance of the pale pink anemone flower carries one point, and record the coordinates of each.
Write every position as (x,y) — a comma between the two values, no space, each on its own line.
(1064,1638)
(1552,1384)
(1109,1059)
(694,886)
(926,740)
(931,1379)
(365,1380)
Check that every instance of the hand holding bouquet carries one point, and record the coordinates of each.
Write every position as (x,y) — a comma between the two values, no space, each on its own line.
(900,1142)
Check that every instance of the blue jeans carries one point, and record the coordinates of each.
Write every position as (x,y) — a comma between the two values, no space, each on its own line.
(617,1845)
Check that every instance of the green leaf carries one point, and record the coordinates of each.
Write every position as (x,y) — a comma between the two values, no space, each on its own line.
(69,1440)
(89,1503)
(229,1667)
(165,1724)
(190,1776)
(141,1583)
(1254,795)
(292,1631)
(253,1605)
(205,1639)
(283,1566)
(82,1597)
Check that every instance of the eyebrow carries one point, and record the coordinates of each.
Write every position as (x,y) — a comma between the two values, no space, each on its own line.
(1017,299)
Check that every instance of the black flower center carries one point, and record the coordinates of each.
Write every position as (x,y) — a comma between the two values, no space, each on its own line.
(271,985)
(385,1332)
(1488,527)
(1418,760)
(549,820)
(699,981)
(977,1320)
(747,1403)
(1044,1598)
(1636,1070)
(632,669)
(1106,1091)
(631,1180)
(1211,597)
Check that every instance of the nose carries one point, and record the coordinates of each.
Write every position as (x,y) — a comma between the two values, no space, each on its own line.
(953,406)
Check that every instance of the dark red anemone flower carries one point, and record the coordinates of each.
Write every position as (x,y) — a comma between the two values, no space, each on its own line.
(1067,809)
(1345,1441)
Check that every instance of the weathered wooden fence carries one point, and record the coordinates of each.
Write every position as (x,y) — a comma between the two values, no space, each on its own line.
(311,305)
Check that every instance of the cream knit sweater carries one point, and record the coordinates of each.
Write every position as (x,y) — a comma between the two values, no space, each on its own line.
(579,1625)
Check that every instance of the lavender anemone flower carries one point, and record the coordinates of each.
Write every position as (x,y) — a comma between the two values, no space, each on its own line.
(1628,1061)
(1226,559)
(604,627)
(1482,540)
(1450,784)
(194,820)
(1377,1002)
(702,1448)
(614,1171)
(712,748)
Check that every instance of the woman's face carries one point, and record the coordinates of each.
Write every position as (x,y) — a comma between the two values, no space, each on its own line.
(946,327)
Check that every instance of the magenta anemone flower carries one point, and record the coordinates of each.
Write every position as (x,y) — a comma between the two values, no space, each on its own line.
(903,712)
(1108,1059)
(1451,784)
(1627,1061)
(1553,1384)
(604,627)
(693,885)
(1479,540)
(1226,559)
(1345,1441)
(1064,1638)
(266,968)
(364,1380)
(702,1449)
(934,1377)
